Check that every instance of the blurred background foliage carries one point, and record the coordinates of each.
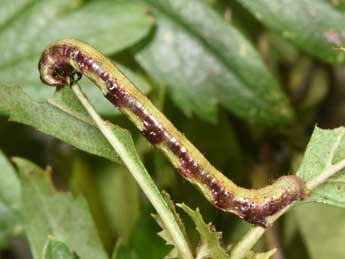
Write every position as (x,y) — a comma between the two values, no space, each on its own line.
(246,81)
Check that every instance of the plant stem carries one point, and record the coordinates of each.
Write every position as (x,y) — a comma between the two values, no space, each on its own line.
(141,175)
(312,184)
(249,240)
(273,241)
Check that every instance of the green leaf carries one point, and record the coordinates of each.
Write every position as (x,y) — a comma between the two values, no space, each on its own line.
(83,181)
(48,212)
(111,27)
(55,122)
(172,207)
(322,229)
(9,8)
(113,197)
(164,233)
(210,239)
(144,242)
(313,25)
(326,147)
(123,251)
(10,221)
(64,99)
(338,4)
(120,197)
(205,62)
(57,250)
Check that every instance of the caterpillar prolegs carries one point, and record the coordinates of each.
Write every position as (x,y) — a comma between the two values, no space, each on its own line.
(64,59)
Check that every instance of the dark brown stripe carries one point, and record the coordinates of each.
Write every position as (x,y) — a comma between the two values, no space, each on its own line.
(188,167)
(153,132)
(174,146)
(84,62)
(138,110)
(117,96)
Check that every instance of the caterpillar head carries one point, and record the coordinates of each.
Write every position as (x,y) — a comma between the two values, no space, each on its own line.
(53,66)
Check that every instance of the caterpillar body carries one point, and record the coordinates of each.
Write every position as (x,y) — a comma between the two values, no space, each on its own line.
(64,58)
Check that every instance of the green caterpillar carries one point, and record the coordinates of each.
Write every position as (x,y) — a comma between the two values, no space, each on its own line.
(67,58)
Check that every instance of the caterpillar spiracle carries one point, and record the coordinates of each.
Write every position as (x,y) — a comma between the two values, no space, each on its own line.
(68,57)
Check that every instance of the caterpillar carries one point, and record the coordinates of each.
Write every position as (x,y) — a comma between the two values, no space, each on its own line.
(70,59)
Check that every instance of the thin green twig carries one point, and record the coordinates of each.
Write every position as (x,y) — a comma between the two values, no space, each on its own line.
(141,175)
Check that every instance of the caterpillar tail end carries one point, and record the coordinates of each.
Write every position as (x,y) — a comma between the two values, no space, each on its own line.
(288,190)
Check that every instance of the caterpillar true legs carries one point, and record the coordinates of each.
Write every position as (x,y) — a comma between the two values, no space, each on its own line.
(69,58)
